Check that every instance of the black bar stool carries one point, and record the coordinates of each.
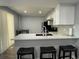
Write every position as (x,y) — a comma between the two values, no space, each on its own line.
(47,50)
(69,49)
(25,51)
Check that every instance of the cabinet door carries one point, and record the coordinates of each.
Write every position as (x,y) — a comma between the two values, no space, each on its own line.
(67,13)
(56,16)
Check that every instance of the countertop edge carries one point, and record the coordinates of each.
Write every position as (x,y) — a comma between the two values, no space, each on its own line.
(49,39)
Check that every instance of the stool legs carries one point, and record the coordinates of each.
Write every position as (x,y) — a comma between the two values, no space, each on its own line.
(70,54)
(20,57)
(55,55)
(76,54)
(52,56)
(63,54)
(59,53)
(33,56)
(40,55)
(17,56)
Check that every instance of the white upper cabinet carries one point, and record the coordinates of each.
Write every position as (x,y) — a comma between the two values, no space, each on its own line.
(64,14)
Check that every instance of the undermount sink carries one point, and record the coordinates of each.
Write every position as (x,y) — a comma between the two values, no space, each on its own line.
(44,35)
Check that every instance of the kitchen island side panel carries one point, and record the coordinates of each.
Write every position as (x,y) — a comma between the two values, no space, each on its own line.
(39,43)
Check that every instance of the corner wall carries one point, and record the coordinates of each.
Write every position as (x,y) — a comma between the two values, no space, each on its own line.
(16,16)
(76,26)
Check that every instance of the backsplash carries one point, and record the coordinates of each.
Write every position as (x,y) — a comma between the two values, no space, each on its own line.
(63,30)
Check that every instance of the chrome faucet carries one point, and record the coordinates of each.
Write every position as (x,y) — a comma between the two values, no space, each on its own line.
(45,30)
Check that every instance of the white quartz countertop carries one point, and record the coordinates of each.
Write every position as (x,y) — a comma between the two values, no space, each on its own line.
(34,37)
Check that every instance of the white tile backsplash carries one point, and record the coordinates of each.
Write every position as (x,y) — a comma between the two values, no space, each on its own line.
(63,30)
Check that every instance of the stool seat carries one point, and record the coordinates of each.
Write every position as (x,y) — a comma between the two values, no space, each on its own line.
(47,49)
(68,48)
(26,50)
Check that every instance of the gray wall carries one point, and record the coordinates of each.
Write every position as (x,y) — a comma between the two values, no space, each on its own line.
(32,23)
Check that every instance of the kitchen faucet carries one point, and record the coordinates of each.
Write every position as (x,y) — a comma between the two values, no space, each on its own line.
(45,30)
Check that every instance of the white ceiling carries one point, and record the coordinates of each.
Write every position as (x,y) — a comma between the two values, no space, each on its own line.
(33,6)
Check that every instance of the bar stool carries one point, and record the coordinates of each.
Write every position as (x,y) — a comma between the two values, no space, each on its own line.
(69,49)
(47,50)
(25,51)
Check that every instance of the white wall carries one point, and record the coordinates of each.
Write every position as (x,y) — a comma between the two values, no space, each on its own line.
(6,30)
(4,35)
(32,23)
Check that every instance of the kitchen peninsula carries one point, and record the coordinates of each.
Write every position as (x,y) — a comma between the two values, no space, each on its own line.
(40,37)
(31,40)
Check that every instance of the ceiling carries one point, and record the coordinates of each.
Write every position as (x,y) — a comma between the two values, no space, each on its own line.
(32,11)
(33,6)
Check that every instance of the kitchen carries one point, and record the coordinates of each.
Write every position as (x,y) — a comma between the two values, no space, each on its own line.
(58,25)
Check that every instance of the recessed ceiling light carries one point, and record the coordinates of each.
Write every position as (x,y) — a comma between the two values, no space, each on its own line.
(40,12)
(25,11)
